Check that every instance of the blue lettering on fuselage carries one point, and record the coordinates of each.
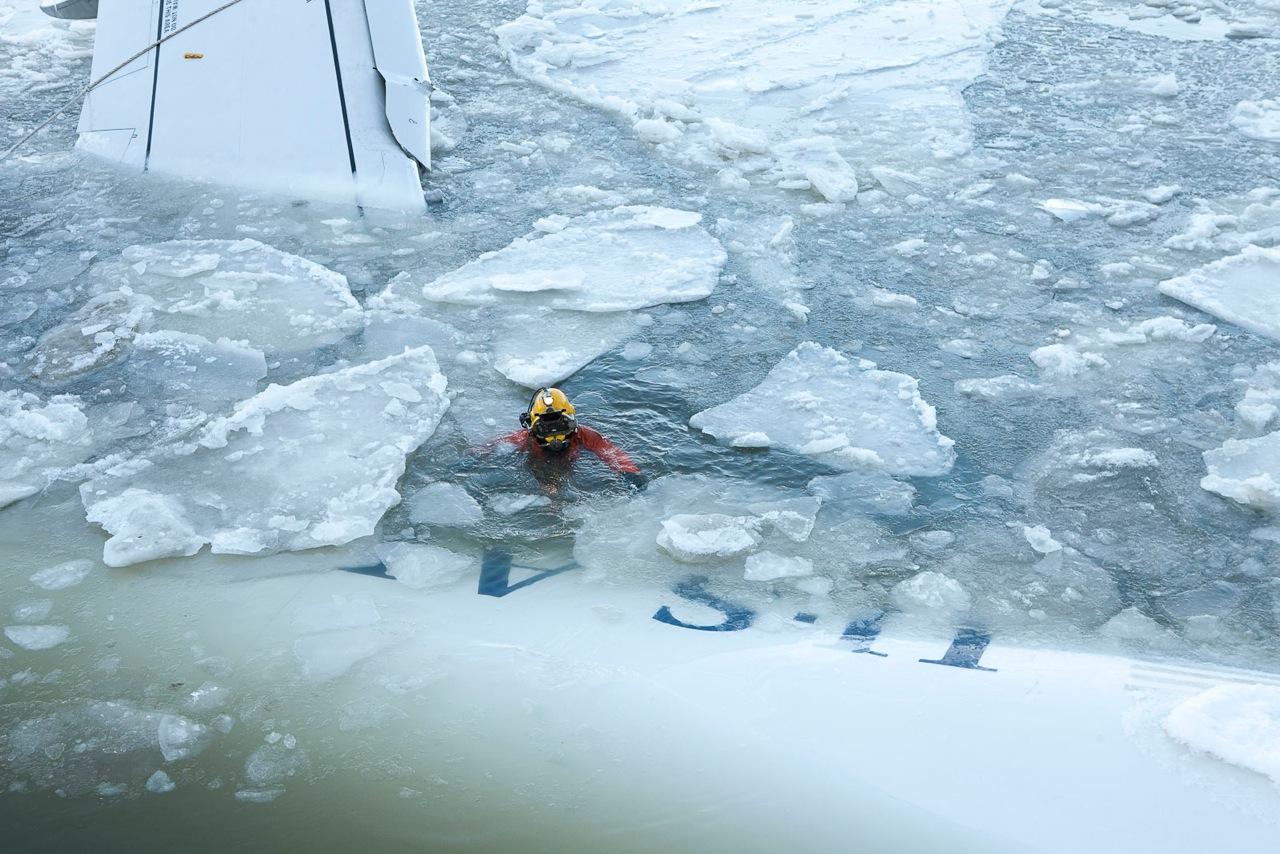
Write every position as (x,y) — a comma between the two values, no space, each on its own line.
(495,574)
(736,617)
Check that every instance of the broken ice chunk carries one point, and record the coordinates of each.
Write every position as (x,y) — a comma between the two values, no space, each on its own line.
(931,593)
(1239,289)
(38,438)
(619,260)
(511,503)
(445,504)
(1258,119)
(535,360)
(694,538)
(817,402)
(159,783)
(62,575)
(309,464)
(1246,470)
(422,566)
(181,738)
(769,566)
(93,336)
(37,637)
(1039,538)
(241,290)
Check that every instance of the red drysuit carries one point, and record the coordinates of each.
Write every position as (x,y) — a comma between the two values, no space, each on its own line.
(584,437)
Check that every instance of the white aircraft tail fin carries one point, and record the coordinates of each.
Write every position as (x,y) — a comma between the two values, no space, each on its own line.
(284,97)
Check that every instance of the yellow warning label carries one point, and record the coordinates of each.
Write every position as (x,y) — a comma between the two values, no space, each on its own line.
(193,56)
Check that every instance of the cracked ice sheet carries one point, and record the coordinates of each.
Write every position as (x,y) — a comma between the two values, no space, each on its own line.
(883,79)
(849,415)
(310,464)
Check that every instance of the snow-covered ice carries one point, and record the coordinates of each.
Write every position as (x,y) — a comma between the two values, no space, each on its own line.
(309,464)
(1239,724)
(848,414)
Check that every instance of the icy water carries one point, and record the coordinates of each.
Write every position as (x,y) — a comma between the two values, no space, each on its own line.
(1016,204)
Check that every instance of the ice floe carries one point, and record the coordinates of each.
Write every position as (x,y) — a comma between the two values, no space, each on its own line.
(1258,119)
(1239,724)
(556,299)
(1239,289)
(308,464)
(789,96)
(847,414)
(38,439)
(618,260)
(1246,471)
(422,565)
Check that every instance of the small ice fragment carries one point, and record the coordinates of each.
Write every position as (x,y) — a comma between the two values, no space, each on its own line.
(63,575)
(931,592)
(1041,540)
(848,414)
(510,503)
(447,505)
(1238,289)
(180,738)
(159,783)
(1162,85)
(694,538)
(889,299)
(37,638)
(751,440)
(768,566)
(656,131)
(636,351)
(1258,119)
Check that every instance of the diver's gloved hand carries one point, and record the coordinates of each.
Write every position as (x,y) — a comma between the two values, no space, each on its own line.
(635,480)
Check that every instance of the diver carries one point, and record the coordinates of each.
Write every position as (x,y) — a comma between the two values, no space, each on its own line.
(553,439)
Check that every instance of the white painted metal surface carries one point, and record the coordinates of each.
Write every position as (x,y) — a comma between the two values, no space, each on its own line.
(272,95)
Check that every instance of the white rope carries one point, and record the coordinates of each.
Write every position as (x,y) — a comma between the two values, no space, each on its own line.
(79,96)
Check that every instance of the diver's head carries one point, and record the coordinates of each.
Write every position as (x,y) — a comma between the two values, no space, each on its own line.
(550,419)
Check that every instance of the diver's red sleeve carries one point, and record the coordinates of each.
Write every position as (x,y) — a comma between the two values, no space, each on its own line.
(609,453)
(518,438)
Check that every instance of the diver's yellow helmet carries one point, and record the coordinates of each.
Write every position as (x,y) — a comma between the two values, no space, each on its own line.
(551,419)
